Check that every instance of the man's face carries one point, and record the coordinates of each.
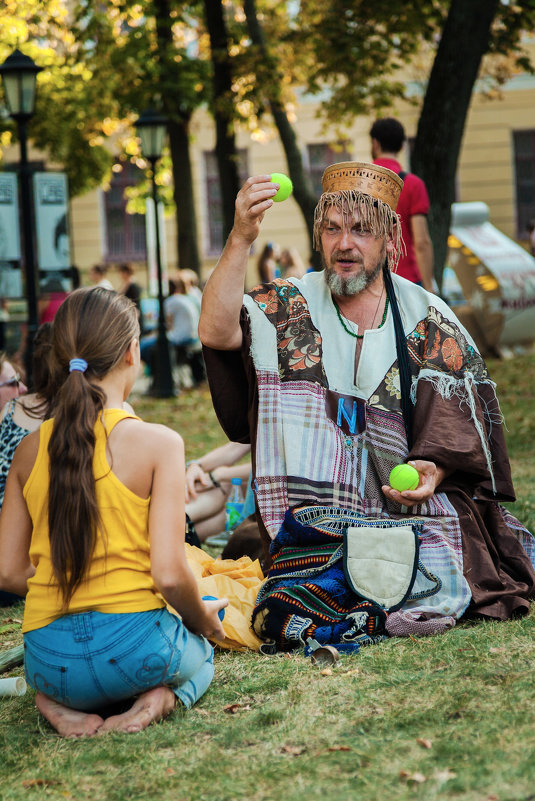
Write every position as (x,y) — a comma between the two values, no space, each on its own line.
(352,256)
(10,384)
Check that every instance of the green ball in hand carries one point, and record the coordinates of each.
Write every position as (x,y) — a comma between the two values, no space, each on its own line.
(404,477)
(286,186)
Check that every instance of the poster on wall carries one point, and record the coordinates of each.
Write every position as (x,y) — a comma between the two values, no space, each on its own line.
(9,218)
(52,232)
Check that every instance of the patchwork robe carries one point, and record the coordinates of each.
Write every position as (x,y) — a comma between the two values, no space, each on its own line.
(322,433)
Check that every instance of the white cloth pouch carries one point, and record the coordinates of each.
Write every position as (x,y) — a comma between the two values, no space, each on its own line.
(381,561)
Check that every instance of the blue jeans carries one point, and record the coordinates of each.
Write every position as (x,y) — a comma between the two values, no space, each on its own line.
(90,660)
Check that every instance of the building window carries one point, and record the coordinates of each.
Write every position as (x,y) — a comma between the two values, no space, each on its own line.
(213,198)
(524,148)
(125,233)
(320,156)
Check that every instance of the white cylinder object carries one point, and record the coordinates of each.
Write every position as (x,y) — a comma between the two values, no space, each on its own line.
(13,686)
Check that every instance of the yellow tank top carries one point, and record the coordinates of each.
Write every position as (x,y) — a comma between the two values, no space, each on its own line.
(119,577)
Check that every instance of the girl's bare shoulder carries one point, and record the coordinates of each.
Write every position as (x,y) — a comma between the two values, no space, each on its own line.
(152,436)
(25,455)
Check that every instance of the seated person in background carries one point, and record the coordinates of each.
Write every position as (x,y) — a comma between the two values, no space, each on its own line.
(129,288)
(92,532)
(267,264)
(51,299)
(23,414)
(11,384)
(193,292)
(11,388)
(97,276)
(208,483)
(291,264)
(182,318)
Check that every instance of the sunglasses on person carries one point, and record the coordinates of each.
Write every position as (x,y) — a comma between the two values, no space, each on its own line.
(14,381)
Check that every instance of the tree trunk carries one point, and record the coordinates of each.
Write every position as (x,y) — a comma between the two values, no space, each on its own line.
(223,110)
(188,249)
(186,221)
(272,79)
(464,41)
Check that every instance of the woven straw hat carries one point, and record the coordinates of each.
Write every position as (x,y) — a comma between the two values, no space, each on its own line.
(368,179)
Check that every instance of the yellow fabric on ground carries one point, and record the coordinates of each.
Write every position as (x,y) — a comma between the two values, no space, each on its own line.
(238,580)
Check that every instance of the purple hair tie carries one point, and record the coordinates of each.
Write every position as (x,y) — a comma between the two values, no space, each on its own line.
(80,365)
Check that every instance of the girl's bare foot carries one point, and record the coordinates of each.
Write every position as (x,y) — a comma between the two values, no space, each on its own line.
(148,708)
(67,722)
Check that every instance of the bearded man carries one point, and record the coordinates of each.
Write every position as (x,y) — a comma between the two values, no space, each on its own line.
(337,377)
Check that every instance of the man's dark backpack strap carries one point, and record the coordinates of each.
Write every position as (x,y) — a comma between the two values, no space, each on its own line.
(405,378)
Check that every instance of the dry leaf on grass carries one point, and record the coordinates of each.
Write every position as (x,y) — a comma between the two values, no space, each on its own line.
(294,750)
(412,778)
(424,743)
(27,783)
(497,650)
(339,748)
(233,708)
(326,672)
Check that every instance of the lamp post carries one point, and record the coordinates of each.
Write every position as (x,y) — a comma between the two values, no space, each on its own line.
(151,128)
(19,73)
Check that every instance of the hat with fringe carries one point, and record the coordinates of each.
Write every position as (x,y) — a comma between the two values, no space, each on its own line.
(368,190)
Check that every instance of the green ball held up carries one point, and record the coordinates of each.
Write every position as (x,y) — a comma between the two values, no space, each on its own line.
(286,186)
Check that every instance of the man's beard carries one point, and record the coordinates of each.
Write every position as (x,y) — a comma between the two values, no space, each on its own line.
(345,286)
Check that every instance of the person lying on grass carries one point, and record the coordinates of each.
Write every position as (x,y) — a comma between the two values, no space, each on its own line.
(92,533)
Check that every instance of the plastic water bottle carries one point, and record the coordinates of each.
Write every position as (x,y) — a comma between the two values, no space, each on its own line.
(234,505)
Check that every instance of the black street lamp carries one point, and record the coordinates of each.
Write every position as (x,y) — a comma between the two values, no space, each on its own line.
(152,128)
(19,74)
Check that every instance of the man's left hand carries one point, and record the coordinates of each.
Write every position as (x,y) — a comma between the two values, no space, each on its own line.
(430,477)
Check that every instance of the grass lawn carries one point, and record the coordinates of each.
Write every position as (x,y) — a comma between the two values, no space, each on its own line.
(448,717)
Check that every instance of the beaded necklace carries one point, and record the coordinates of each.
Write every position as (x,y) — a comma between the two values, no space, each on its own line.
(352,333)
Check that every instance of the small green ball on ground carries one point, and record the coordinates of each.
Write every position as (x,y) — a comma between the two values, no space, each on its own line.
(285,186)
(404,477)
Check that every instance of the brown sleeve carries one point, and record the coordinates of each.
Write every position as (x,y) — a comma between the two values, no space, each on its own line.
(444,433)
(232,382)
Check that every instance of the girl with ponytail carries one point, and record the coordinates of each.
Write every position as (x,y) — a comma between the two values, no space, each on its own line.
(92,532)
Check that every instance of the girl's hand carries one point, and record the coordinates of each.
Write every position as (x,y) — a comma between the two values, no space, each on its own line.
(430,477)
(213,630)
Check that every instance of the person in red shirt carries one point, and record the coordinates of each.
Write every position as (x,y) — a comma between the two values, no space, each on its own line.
(388,136)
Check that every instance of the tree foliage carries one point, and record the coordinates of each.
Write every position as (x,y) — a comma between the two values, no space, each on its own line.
(360,49)
(104,64)
(68,116)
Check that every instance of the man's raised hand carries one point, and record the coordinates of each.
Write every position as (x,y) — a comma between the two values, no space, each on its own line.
(252,201)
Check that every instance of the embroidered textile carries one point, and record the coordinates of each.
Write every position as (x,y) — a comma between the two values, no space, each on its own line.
(306,594)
